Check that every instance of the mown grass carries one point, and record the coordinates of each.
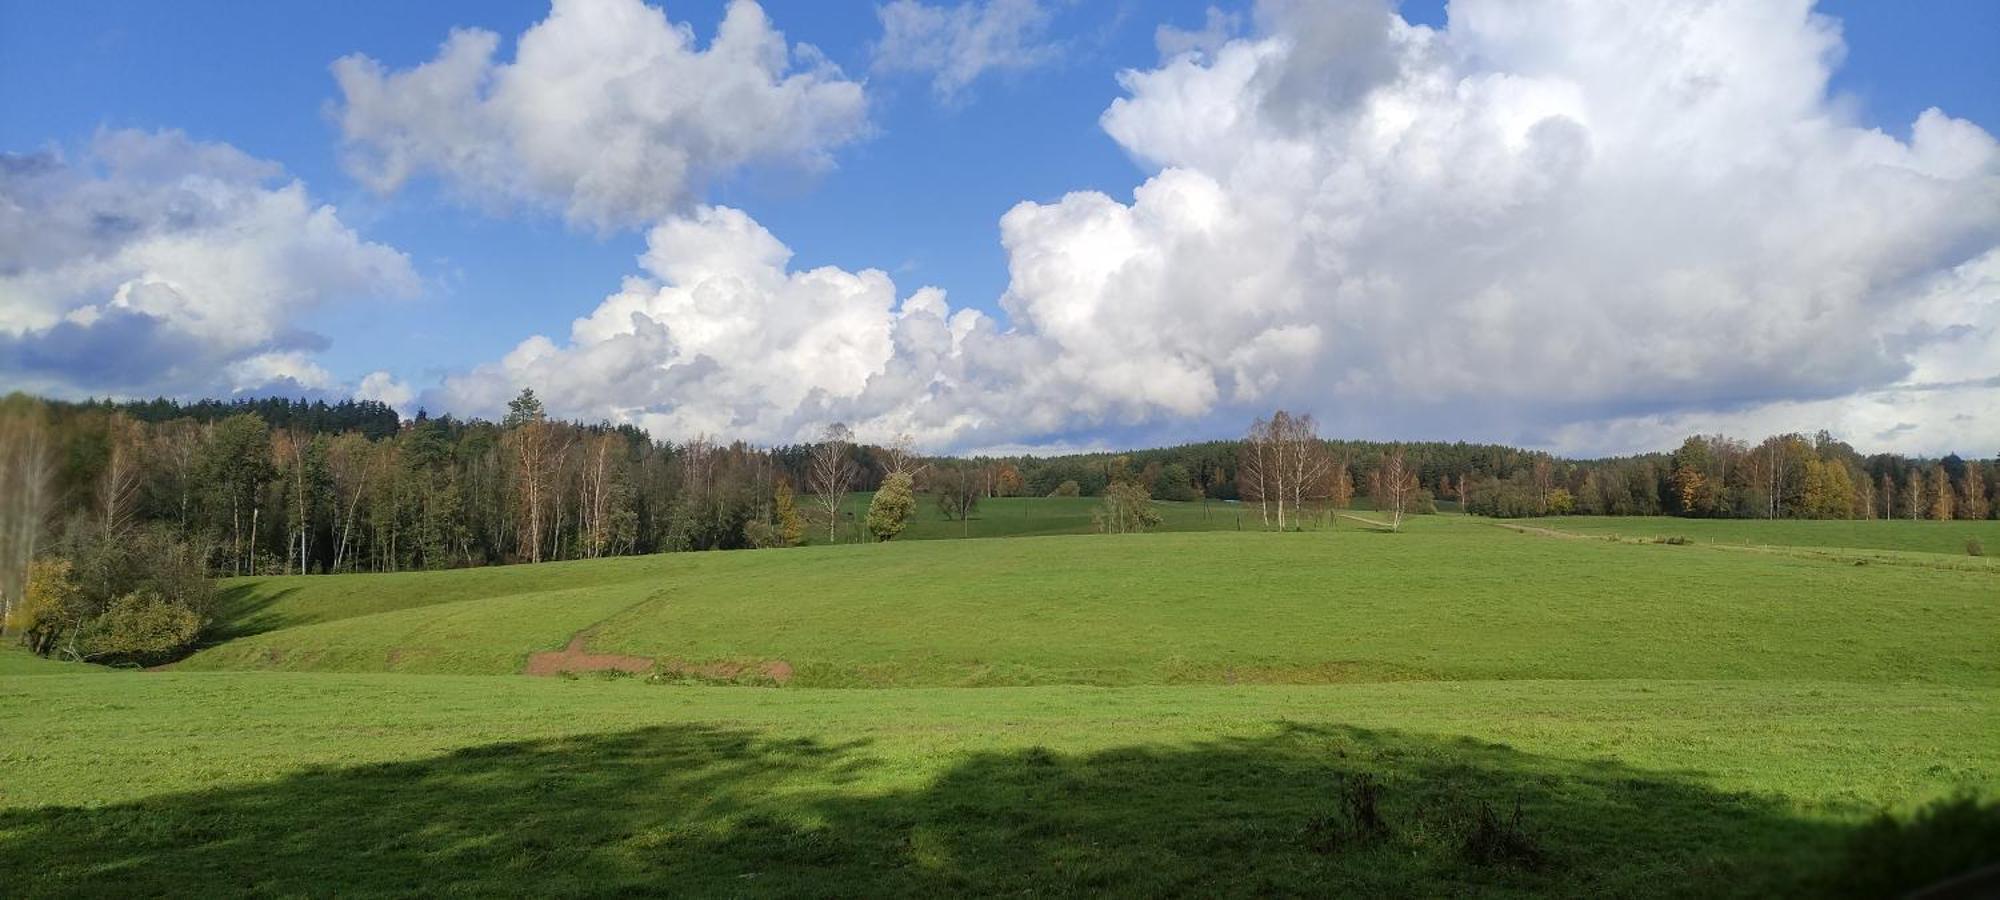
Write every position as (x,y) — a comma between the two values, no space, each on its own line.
(1031,517)
(1450,598)
(1922,536)
(16,660)
(1340,711)
(274,783)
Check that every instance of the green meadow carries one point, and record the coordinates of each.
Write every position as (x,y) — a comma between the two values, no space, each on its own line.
(1457,709)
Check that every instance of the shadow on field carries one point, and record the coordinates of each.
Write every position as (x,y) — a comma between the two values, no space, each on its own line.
(703,810)
(240,612)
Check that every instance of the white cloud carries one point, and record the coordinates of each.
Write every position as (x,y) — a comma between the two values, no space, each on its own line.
(1591,227)
(719,339)
(383,387)
(162,264)
(955,45)
(1545,215)
(1217,28)
(608,111)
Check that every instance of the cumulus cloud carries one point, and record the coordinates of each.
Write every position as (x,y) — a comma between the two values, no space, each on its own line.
(720,337)
(1546,214)
(955,45)
(607,111)
(384,387)
(162,264)
(1593,227)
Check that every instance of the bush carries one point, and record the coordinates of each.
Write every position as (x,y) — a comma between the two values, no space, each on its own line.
(138,595)
(1974,548)
(1067,489)
(762,534)
(141,627)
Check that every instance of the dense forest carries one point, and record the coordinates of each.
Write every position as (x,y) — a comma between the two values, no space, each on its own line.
(278,486)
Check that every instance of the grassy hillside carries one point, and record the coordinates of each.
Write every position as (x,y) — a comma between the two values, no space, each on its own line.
(1030,516)
(273,783)
(1894,534)
(1459,709)
(1451,598)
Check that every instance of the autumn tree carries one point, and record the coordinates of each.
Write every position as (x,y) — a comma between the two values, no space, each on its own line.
(1340,486)
(830,472)
(1395,487)
(539,453)
(1281,464)
(26,463)
(791,526)
(118,483)
(1941,494)
(958,491)
(1972,502)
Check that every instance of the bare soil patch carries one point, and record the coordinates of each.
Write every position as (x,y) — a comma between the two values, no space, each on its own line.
(575,658)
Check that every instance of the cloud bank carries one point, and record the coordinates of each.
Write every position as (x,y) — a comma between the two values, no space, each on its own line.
(608,112)
(159,264)
(1584,226)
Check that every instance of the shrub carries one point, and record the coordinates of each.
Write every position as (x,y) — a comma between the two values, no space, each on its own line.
(1675,540)
(54,604)
(762,534)
(1974,548)
(141,627)
(1067,489)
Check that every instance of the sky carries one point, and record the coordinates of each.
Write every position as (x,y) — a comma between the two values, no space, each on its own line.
(1592,227)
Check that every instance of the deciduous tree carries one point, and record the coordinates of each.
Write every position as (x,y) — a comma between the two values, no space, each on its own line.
(890,510)
(830,473)
(1395,487)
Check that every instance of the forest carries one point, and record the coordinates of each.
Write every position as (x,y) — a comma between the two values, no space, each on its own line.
(278,486)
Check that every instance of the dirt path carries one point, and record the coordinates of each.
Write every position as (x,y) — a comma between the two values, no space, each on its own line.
(1545,532)
(575,658)
(1366,521)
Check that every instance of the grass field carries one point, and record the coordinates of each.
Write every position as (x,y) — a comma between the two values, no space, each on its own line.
(1031,516)
(1896,534)
(1338,711)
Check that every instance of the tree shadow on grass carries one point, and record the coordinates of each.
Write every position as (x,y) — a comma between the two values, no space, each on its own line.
(699,810)
(246,609)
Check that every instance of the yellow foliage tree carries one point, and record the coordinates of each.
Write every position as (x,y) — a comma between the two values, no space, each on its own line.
(1941,498)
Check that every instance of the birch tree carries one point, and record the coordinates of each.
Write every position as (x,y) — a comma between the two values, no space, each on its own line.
(1395,486)
(830,473)
(27,461)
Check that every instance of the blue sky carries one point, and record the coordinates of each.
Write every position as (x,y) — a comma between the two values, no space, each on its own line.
(920,195)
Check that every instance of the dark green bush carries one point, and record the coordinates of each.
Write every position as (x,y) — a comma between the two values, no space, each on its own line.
(141,628)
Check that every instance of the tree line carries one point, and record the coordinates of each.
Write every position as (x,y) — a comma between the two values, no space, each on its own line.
(134,496)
